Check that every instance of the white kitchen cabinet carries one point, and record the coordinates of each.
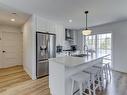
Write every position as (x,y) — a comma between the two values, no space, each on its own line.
(52,28)
(43,25)
(75,37)
(60,34)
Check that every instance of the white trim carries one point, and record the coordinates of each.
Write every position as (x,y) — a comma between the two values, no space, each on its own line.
(31,76)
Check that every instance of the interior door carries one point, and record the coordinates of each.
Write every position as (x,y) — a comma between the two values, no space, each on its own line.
(10,49)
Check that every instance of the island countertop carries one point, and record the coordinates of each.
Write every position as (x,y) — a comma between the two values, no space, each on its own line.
(71,61)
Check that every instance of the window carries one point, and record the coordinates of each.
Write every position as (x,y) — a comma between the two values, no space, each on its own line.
(101,43)
(104,43)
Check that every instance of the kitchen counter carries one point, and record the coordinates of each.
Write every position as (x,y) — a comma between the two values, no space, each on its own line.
(71,61)
(62,68)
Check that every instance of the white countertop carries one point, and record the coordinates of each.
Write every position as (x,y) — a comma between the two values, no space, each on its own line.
(71,61)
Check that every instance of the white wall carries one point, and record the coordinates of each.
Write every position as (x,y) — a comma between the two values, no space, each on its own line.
(18,31)
(37,23)
(28,43)
(8,28)
(119,43)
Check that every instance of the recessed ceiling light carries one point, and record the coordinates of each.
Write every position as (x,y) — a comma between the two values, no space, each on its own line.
(70,20)
(13,19)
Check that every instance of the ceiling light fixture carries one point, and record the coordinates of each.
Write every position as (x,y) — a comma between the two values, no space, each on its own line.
(86,31)
(70,21)
(12,19)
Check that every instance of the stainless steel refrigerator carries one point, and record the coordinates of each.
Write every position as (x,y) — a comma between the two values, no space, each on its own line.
(45,49)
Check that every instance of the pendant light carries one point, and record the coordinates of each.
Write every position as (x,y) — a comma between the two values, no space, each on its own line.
(86,31)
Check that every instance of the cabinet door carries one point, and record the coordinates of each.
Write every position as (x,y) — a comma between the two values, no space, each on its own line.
(42,25)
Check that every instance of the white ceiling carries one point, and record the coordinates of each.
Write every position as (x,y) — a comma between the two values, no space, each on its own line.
(101,11)
(6,16)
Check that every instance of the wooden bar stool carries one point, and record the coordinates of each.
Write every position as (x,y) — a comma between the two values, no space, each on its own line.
(83,82)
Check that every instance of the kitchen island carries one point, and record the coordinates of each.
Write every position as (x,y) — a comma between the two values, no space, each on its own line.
(62,68)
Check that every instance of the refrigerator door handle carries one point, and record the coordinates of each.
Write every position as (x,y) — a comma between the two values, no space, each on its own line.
(48,46)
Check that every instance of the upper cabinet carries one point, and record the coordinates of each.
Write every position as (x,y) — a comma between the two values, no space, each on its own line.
(43,25)
(60,34)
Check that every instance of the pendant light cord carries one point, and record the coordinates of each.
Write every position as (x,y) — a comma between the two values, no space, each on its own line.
(86,31)
(86,12)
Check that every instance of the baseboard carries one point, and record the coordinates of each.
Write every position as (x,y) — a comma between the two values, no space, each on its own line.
(27,72)
(33,77)
(114,69)
(3,67)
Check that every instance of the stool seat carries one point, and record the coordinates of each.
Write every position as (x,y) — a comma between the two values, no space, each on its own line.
(92,70)
(99,65)
(83,82)
(80,77)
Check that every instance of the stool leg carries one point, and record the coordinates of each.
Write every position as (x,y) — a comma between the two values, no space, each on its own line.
(73,82)
(98,78)
(93,82)
(109,69)
(89,87)
(106,73)
(102,78)
(80,88)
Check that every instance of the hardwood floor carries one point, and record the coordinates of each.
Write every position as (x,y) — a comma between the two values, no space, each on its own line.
(14,81)
(12,76)
(118,85)
(37,87)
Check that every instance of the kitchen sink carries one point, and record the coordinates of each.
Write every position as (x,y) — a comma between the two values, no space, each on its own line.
(80,55)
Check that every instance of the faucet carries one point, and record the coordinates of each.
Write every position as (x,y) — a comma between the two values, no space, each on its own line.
(86,49)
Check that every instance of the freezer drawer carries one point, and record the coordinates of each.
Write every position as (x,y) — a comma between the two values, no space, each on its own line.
(42,68)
